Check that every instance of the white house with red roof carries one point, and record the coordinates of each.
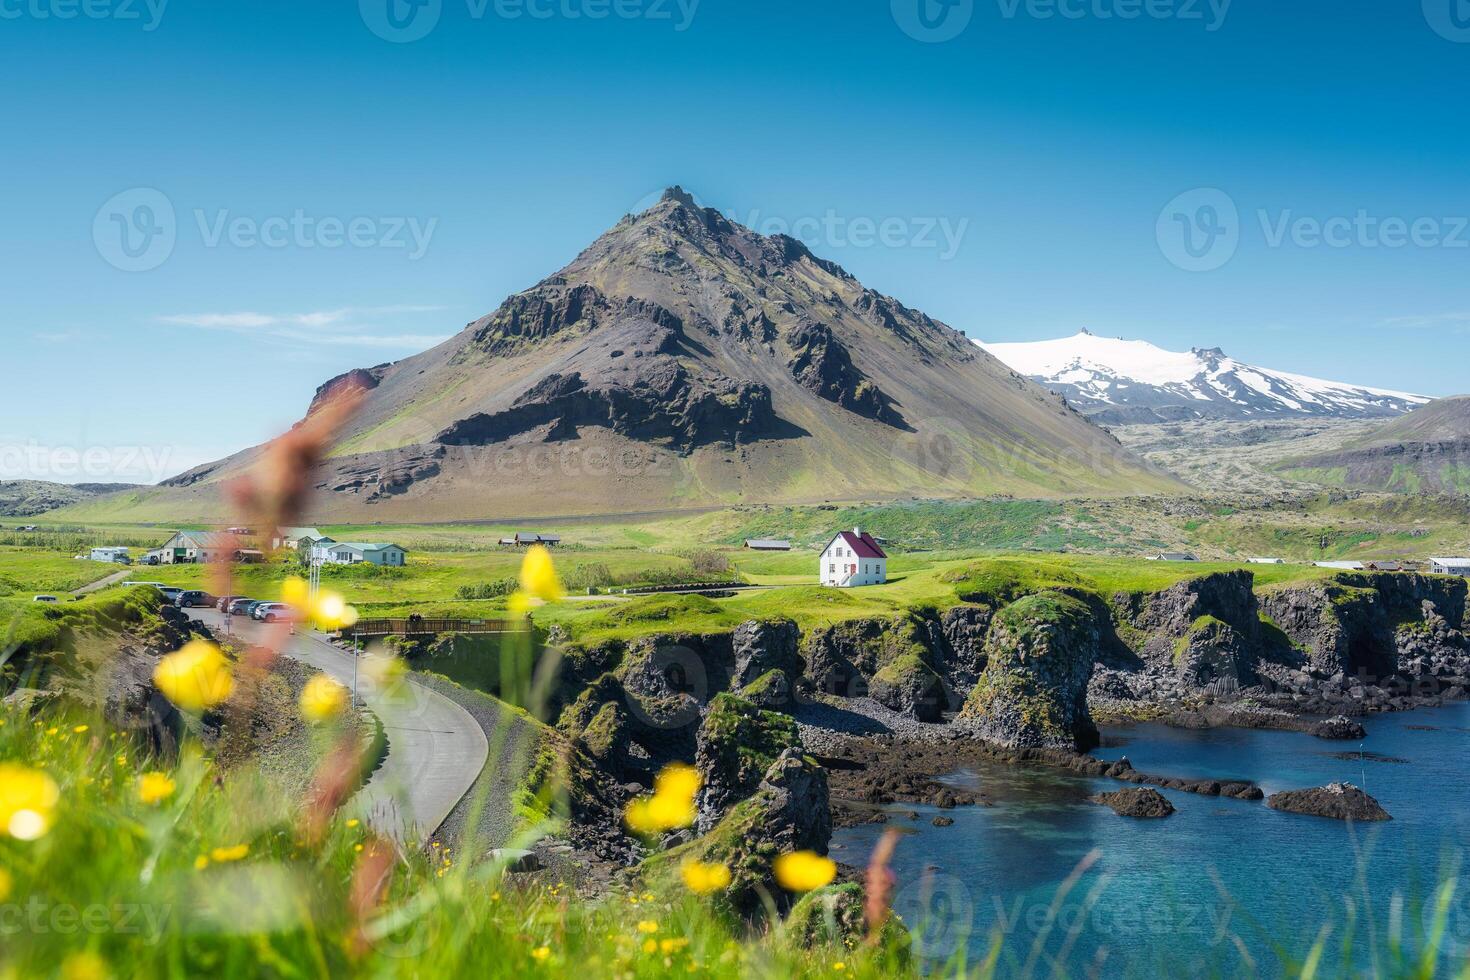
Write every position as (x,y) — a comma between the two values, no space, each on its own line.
(853,558)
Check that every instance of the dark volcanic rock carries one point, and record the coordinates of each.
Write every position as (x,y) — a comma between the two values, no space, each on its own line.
(662,402)
(823,366)
(764,646)
(1033,693)
(1341,801)
(1136,803)
(736,746)
(1339,727)
(910,686)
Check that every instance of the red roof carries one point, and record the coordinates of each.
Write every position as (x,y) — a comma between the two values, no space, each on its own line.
(862,545)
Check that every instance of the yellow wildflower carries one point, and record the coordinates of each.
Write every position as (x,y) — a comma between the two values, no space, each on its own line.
(519,604)
(6,883)
(647,926)
(332,612)
(295,591)
(155,787)
(804,871)
(196,677)
(80,729)
(28,799)
(201,862)
(650,945)
(839,966)
(353,822)
(322,699)
(540,953)
(223,855)
(672,804)
(704,878)
(538,575)
(677,780)
(83,966)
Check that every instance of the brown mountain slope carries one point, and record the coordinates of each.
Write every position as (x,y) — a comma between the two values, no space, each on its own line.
(1426,450)
(683,361)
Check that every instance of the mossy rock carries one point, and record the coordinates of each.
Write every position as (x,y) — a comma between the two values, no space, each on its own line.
(737,744)
(835,916)
(911,686)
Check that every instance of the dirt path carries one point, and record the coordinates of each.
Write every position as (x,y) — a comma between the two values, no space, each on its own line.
(103,583)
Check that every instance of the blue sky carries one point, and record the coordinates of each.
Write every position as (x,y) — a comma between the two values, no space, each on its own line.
(344,192)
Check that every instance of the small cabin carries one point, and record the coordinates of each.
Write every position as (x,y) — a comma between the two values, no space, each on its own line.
(1450,566)
(853,558)
(767,544)
(1173,556)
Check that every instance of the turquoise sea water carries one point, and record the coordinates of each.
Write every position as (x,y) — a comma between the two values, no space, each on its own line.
(1223,887)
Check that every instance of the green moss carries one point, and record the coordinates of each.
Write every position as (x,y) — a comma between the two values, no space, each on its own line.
(744,738)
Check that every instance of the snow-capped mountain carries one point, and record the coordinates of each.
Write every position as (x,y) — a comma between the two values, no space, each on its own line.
(1121,382)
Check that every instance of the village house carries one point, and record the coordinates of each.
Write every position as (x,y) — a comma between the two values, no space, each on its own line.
(295,537)
(767,544)
(1173,556)
(1344,566)
(354,553)
(853,558)
(1265,561)
(1450,566)
(524,539)
(191,547)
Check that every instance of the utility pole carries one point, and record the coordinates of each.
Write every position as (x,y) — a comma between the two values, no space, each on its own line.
(355,641)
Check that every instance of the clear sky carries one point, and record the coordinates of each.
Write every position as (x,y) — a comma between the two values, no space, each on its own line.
(209,208)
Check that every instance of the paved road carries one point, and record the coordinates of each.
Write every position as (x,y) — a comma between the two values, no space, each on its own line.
(436,749)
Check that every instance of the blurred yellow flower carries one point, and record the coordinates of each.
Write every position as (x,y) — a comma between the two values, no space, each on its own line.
(650,945)
(839,966)
(196,677)
(519,604)
(322,699)
(384,671)
(222,855)
(296,592)
(80,729)
(704,878)
(540,953)
(672,804)
(677,781)
(6,883)
(353,822)
(667,946)
(538,575)
(201,862)
(804,871)
(647,926)
(28,799)
(155,787)
(83,966)
(331,611)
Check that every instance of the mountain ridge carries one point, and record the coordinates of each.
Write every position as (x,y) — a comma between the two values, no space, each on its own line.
(1123,382)
(683,360)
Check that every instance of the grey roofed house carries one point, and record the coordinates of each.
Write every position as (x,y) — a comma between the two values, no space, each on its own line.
(767,544)
(1173,556)
(1450,566)
(525,538)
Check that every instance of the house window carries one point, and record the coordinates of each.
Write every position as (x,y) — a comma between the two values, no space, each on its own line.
(831,569)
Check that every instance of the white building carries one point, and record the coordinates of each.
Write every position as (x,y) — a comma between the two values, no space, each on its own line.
(294,537)
(198,547)
(110,554)
(1265,561)
(1343,566)
(1450,566)
(354,553)
(853,558)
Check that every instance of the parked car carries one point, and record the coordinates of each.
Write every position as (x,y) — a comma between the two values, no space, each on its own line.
(192,598)
(242,606)
(46,598)
(222,604)
(273,612)
(170,593)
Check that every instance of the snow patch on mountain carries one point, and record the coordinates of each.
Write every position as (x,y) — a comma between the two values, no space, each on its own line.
(1119,382)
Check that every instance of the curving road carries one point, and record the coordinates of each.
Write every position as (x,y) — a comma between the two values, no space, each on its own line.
(436,749)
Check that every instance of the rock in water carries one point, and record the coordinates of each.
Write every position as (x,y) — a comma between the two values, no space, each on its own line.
(1341,801)
(1136,803)
(1339,727)
(1033,692)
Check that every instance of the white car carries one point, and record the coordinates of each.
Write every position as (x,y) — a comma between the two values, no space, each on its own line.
(273,612)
